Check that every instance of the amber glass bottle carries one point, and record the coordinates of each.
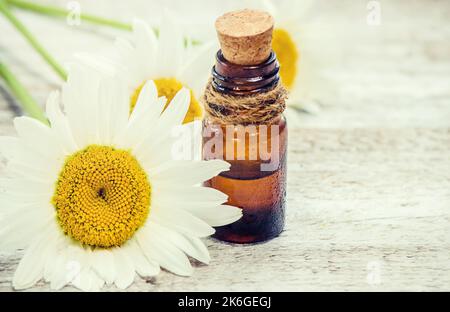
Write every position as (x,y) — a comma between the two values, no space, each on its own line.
(256,150)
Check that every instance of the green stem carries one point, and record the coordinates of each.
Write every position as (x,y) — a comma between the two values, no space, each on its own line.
(32,40)
(58,12)
(29,105)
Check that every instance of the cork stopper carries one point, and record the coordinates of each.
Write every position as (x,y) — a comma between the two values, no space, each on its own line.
(245,36)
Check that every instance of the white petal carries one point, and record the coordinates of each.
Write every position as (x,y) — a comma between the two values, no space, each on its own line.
(58,276)
(156,141)
(166,254)
(25,163)
(124,48)
(70,262)
(172,116)
(59,124)
(143,127)
(153,150)
(144,266)
(10,147)
(53,254)
(37,137)
(270,6)
(116,106)
(216,216)
(194,172)
(97,105)
(192,196)
(146,44)
(19,229)
(31,267)
(124,269)
(143,119)
(80,96)
(98,63)
(181,221)
(191,150)
(103,263)
(174,113)
(192,246)
(170,48)
(147,96)
(87,280)
(24,187)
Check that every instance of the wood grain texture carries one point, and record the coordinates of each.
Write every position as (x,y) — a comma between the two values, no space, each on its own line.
(369,176)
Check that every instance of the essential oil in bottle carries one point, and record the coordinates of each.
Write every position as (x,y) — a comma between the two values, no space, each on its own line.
(244,125)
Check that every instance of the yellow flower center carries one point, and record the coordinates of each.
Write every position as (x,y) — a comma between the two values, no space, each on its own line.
(169,87)
(287,54)
(102,196)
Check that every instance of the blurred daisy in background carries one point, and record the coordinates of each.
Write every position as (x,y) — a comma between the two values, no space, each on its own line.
(96,197)
(168,58)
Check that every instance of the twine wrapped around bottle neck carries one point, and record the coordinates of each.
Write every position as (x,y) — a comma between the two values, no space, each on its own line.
(258,108)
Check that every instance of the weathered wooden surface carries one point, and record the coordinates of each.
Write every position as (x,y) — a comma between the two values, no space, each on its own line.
(369,176)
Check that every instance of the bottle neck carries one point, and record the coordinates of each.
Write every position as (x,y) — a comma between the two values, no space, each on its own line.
(236,79)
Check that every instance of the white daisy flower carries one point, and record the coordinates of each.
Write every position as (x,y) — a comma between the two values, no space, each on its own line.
(169,59)
(97,197)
